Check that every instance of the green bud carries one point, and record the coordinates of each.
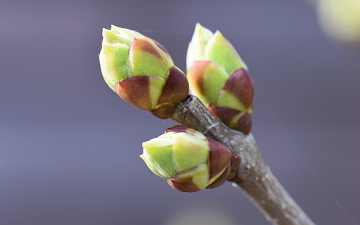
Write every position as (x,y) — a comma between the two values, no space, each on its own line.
(141,71)
(188,160)
(220,79)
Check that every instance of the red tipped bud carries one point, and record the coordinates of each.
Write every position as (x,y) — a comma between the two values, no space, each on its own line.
(220,79)
(188,160)
(141,71)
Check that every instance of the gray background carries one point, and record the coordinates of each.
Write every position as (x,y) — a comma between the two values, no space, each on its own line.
(69,146)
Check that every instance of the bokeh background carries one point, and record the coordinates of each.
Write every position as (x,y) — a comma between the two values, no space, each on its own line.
(69,146)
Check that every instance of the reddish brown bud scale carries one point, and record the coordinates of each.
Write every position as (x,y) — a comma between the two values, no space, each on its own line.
(183,185)
(243,123)
(228,116)
(221,179)
(235,162)
(136,91)
(177,128)
(219,157)
(164,112)
(141,44)
(182,128)
(241,86)
(225,114)
(197,71)
(176,87)
(161,47)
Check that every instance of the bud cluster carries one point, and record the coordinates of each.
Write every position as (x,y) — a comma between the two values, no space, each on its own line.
(141,71)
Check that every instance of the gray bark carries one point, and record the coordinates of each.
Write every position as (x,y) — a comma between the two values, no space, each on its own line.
(254,177)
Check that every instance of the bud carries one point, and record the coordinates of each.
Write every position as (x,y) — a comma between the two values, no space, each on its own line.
(220,79)
(188,160)
(141,71)
(340,19)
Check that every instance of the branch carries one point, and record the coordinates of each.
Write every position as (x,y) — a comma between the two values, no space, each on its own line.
(253,175)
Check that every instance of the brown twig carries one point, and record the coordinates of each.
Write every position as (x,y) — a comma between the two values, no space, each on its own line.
(253,175)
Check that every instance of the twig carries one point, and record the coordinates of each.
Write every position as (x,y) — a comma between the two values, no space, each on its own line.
(253,175)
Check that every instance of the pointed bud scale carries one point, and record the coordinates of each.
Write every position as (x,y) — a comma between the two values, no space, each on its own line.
(188,160)
(220,79)
(141,71)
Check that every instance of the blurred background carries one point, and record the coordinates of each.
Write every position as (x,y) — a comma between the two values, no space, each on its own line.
(69,146)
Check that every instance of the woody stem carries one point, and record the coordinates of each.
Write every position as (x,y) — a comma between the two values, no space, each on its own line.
(253,175)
